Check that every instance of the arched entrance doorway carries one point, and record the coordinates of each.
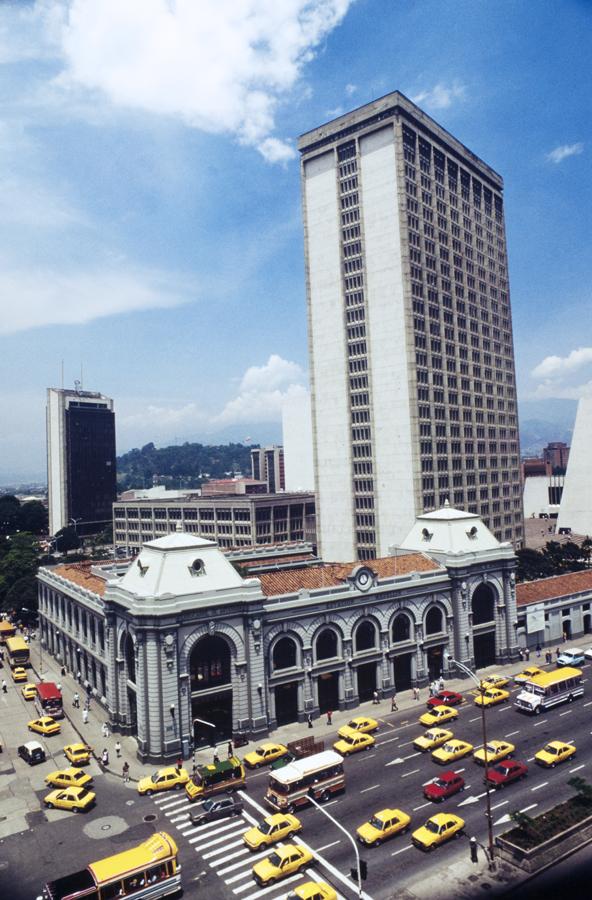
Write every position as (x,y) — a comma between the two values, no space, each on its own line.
(434,626)
(483,609)
(587,623)
(211,691)
(285,656)
(365,638)
(327,648)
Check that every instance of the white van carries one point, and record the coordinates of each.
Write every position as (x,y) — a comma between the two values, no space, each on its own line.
(573,657)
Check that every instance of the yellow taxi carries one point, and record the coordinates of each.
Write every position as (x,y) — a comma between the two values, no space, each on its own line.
(491,697)
(360,723)
(451,750)
(65,778)
(437,830)
(431,739)
(352,742)
(75,799)
(383,825)
(284,861)
(437,715)
(312,890)
(527,674)
(553,753)
(271,830)
(77,754)
(495,681)
(29,691)
(169,779)
(493,752)
(45,725)
(264,754)
(19,674)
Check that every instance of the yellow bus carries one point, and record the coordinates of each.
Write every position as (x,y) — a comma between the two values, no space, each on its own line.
(17,651)
(149,870)
(549,689)
(7,630)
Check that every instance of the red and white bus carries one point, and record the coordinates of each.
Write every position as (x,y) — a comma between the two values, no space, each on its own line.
(289,787)
(49,700)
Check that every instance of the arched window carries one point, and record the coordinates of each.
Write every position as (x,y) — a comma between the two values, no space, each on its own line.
(483,605)
(209,664)
(434,622)
(365,638)
(326,644)
(284,653)
(130,658)
(401,628)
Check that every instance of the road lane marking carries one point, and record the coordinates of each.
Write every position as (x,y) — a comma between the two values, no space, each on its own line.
(458,771)
(589,703)
(540,722)
(246,873)
(530,759)
(577,768)
(423,806)
(476,719)
(512,733)
(526,808)
(402,850)
(237,865)
(326,846)
(222,849)
(539,786)
(389,741)
(412,772)
(373,788)
(497,805)
(567,713)
(180,818)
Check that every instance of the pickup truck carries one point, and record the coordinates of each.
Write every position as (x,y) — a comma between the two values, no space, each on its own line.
(573,657)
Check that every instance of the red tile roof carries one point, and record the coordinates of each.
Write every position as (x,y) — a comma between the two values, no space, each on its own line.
(80,574)
(291,580)
(556,586)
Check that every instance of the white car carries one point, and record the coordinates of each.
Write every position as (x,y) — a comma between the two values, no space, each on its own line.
(572,657)
(588,653)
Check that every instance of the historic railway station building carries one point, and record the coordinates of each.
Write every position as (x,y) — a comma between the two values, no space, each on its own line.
(179,639)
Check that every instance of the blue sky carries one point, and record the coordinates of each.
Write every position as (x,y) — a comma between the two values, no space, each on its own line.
(150,199)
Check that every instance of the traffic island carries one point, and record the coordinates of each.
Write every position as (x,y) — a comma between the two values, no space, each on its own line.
(538,842)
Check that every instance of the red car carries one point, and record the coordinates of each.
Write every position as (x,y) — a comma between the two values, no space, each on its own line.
(445,785)
(446,698)
(505,772)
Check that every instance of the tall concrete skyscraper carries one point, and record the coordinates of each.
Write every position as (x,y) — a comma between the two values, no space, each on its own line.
(410,331)
(81,476)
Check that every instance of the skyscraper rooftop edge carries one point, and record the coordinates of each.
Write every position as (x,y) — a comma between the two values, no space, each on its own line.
(391,104)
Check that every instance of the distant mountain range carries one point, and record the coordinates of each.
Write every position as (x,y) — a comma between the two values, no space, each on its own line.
(542,421)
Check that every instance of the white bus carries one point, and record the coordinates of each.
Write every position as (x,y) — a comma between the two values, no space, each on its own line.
(550,688)
(288,787)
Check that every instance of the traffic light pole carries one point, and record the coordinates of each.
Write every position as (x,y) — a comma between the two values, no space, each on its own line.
(479,684)
(348,836)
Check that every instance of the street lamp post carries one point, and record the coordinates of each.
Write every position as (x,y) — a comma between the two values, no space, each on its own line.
(479,684)
(348,836)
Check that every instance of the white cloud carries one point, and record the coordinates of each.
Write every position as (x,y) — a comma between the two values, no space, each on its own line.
(550,390)
(441,96)
(36,298)
(263,391)
(559,366)
(351,89)
(564,151)
(222,66)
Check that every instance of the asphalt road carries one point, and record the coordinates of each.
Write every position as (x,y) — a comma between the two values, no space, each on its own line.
(215,862)
(393,774)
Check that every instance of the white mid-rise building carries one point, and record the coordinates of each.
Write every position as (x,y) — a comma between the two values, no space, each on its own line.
(410,333)
(575,511)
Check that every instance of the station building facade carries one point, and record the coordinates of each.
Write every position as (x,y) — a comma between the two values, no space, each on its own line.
(184,651)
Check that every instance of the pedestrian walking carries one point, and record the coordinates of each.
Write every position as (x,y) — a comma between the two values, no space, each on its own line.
(557,651)
(375,697)
(329,716)
(76,700)
(416,692)
(179,763)
(441,684)
(538,650)
(79,677)
(431,688)
(59,686)
(230,750)
(394,702)
(548,658)
(105,757)
(564,636)
(216,759)
(105,730)
(125,771)
(309,720)
(526,654)
(63,671)
(118,749)
(85,716)
(4,686)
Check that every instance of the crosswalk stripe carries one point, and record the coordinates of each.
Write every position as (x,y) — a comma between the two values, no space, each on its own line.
(181,818)
(214,842)
(266,890)
(172,803)
(221,849)
(212,832)
(252,858)
(246,873)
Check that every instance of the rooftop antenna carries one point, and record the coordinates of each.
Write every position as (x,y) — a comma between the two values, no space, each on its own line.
(77,386)
(81,378)
(62,374)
